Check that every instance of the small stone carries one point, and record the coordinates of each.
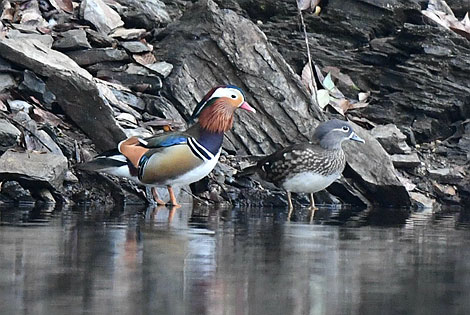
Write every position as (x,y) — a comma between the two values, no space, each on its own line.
(18,105)
(421,200)
(162,68)
(127,118)
(70,177)
(98,13)
(99,40)
(7,81)
(405,160)
(126,34)
(95,55)
(129,99)
(46,40)
(72,40)
(391,138)
(35,86)
(46,196)
(9,134)
(136,47)
(446,175)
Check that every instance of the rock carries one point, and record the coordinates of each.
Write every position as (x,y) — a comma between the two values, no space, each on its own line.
(128,34)
(372,170)
(95,55)
(406,160)
(136,47)
(35,86)
(18,105)
(46,196)
(76,92)
(129,99)
(421,201)
(161,107)
(126,117)
(162,68)
(72,40)
(39,58)
(227,48)
(446,175)
(70,177)
(147,14)
(100,15)
(33,169)
(137,82)
(14,191)
(45,40)
(391,138)
(9,135)
(7,81)
(99,40)
(114,100)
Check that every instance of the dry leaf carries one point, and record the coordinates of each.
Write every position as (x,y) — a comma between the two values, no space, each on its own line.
(323,98)
(43,116)
(307,78)
(439,12)
(145,59)
(65,5)
(363,96)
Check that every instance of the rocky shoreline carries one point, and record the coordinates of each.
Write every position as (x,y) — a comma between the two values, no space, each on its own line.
(78,77)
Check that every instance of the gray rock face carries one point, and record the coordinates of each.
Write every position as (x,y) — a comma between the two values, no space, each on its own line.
(33,85)
(136,47)
(33,169)
(6,81)
(98,13)
(9,134)
(406,160)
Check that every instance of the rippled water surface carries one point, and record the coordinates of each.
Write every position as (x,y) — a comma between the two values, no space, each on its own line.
(207,261)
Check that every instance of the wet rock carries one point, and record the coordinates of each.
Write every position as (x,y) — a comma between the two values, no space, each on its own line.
(421,201)
(13,191)
(128,34)
(95,55)
(100,15)
(33,85)
(9,135)
(136,47)
(391,138)
(46,196)
(7,81)
(405,160)
(148,14)
(162,68)
(72,40)
(33,169)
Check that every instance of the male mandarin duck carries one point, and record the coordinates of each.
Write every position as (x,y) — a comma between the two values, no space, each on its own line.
(308,167)
(177,158)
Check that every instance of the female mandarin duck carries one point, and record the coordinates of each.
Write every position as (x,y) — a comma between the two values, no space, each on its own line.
(308,167)
(177,158)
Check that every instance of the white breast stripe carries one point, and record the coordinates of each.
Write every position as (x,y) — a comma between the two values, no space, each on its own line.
(200,148)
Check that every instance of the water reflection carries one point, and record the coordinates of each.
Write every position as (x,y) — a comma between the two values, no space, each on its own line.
(224,261)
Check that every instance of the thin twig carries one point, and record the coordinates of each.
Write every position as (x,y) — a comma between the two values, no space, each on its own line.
(310,64)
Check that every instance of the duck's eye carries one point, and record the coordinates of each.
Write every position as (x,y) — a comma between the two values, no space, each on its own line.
(345,128)
(233,96)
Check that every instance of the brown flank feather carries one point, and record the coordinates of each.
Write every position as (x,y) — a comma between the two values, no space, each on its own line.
(132,150)
(218,117)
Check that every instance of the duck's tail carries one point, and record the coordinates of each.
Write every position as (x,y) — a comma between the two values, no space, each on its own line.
(110,162)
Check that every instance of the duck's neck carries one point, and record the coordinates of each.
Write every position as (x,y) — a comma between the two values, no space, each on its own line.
(212,141)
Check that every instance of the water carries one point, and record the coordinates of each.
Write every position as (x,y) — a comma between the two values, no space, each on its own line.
(209,261)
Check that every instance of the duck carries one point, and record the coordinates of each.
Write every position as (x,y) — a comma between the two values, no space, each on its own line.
(176,158)
(308,167)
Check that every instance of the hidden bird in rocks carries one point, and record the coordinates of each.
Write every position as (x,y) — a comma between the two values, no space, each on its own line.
(308,167)
(176,158)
